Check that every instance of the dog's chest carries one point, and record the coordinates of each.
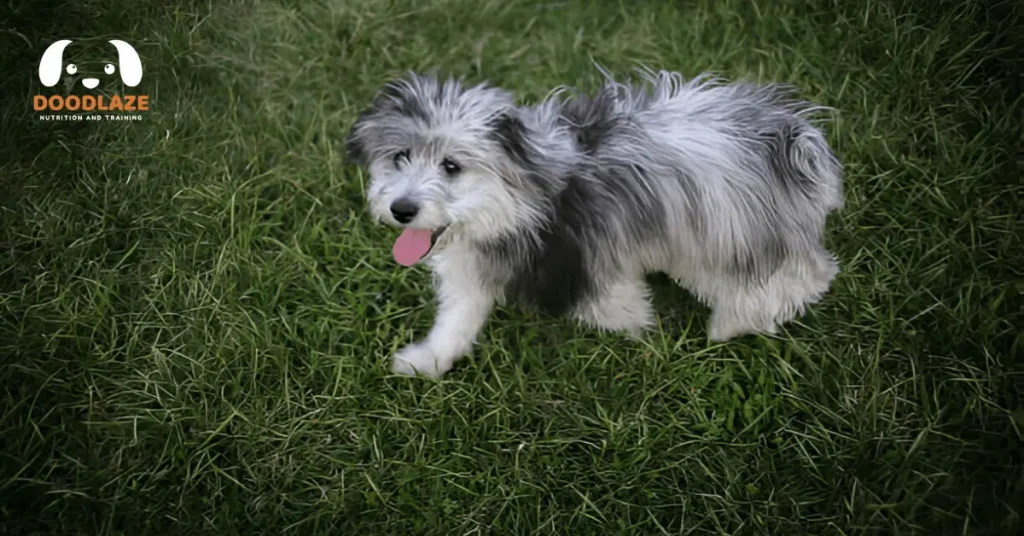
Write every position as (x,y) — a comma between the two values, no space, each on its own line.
(549,275)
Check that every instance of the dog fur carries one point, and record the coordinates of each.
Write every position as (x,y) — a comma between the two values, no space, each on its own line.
(566,205)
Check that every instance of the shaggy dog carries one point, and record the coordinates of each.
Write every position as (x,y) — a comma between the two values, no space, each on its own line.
(565,206)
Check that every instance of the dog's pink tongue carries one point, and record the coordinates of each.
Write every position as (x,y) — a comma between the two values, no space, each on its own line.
(411,246)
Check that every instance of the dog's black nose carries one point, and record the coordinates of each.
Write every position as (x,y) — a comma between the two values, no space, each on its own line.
(404,210)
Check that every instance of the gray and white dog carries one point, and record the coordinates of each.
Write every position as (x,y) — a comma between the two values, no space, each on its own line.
(566,205)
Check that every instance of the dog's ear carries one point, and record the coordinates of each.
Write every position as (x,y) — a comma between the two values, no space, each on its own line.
(406,97)
(52,63)
(128,63)
(513,137)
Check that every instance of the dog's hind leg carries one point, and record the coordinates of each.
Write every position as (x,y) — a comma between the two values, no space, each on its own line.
(742,312)
(624,306)
(743,309)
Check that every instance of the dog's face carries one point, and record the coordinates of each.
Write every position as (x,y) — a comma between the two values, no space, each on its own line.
(438,164)
(116,60)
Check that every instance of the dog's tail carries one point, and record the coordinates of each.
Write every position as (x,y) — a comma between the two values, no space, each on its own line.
(808,165)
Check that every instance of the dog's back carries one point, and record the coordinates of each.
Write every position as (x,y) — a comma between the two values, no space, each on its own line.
(741,167)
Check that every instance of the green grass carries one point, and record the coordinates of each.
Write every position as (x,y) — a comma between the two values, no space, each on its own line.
(196,314)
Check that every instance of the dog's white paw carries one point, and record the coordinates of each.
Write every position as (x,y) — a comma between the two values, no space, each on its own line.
(418,358)
(723,327)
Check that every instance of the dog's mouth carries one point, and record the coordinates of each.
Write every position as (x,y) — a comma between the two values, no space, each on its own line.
(414,244)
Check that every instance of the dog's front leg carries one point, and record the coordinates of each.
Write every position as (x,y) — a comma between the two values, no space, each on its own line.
(462,310)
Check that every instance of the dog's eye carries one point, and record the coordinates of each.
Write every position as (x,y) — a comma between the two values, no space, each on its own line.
(450,167)
(399,157)
(108,68)
(72,68)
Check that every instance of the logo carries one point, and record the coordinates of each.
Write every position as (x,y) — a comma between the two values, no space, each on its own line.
(91,84)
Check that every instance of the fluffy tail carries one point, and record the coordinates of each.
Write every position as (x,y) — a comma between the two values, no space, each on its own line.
(814,161)
(806,166)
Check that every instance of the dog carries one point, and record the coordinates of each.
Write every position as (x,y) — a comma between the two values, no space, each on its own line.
(566,205)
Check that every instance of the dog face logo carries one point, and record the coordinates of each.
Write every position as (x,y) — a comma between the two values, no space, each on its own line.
(128,65)
(95,67)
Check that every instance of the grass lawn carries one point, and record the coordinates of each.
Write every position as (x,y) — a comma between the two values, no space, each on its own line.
(196,313)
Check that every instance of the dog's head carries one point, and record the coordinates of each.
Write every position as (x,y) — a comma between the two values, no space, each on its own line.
(442,159)
(53,65)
